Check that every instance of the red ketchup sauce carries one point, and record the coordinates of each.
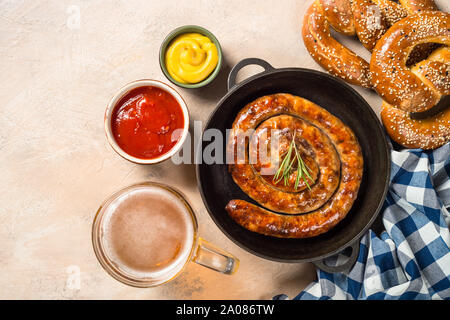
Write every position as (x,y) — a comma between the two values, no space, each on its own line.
(144,120)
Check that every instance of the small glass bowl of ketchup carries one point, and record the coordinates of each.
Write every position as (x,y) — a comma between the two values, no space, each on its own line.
(146,122)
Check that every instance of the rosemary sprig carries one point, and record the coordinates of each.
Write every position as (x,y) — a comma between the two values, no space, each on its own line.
(284,171)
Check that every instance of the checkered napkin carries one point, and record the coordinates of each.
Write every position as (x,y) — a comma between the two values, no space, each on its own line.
(410,259)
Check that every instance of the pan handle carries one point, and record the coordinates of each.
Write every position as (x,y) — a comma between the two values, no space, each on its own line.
(346,267)
(234,71)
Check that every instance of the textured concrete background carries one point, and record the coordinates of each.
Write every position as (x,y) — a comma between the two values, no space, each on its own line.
(61,61)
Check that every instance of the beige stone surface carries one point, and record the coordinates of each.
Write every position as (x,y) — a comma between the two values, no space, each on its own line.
(61,61)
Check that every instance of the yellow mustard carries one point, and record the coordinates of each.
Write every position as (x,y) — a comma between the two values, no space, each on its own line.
(191,57)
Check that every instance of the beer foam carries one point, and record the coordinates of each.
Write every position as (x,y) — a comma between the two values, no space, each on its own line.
(148,233)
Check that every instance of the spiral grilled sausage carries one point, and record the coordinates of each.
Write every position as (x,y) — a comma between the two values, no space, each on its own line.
(330,150)
(368,19)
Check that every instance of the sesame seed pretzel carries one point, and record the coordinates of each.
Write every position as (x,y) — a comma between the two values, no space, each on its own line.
(431,132)
(394,81)
(368,19)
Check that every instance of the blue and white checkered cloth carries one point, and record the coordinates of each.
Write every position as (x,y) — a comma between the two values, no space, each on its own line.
(410,259)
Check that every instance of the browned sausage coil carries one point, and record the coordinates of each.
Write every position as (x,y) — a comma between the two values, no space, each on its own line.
(329,149)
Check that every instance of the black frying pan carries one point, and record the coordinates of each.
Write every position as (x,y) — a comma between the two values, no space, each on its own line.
(217,186)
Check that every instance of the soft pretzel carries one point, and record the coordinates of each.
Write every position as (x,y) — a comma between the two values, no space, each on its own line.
(397,84)
(392,11)
(368,19)
(413,6)
(431,132)
(329,53)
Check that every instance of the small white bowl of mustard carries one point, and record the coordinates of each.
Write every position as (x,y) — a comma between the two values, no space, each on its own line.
(190,56)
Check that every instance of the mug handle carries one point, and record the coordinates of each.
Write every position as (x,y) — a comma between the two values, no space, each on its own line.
(249,61)
(212,257)
(345,267)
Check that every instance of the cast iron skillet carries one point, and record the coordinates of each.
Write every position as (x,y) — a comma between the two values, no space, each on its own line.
(217,186)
